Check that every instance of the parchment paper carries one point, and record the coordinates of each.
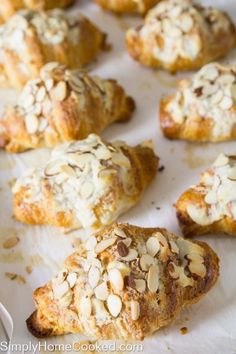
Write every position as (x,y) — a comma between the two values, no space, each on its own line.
(211,322)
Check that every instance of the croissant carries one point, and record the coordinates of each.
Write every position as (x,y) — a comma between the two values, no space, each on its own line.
(60,106)
(204,108)
(210,206)
(88,183)
(9,7)
(127,6)
(31,39)
(125,283)
(181,35)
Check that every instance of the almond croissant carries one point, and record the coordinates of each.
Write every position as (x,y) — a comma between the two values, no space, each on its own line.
(125,283)
(88,183)
(60,106)
(31,39)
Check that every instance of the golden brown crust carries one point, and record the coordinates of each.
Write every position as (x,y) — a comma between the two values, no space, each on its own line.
(127,6)
(213,47)
(157,309)
(23,66)
(9,7)
(142,170)
(88,108)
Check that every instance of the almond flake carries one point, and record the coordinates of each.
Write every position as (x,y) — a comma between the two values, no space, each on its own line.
(68,170)
(153,246)
(221,160)
(41,94)
(85,306)
(153,278)
(101,246)
(120,159)
(101,291)
(226,103)
(72,278)
(211,73)
(198,269)
(94,276)
(116,279)
(211,197)
(11,242)
(122,267)
(60,290)
(140,285)
(119,232)
(32,123)
(146,261)
(49,84)
(135,310)
(132,255)
(186,22)
(114,305)
(59,91)
(87,190)
(91,243)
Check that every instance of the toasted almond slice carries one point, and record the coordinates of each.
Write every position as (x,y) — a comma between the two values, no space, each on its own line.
(59,91)
(120,159)
(116,279)
(133,254)
(104,244)
(94,276)
(91,243)
(11,242)
(153,246)
(102,153)
(101,291)
(146,261)
(72,278)
(174,247)
(140,285)
(114,305)
(119,232)
(153,278)
(85,306)
(135,310)
(122,249)
(123,268)
(32,123)
(60,290)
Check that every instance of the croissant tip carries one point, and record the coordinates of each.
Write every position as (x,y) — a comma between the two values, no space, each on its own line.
(35,328)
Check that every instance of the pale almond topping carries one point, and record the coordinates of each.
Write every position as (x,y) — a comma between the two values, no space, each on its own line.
(68,170)
(186,22)
(116,279)
(153,278)
(146,261)
(133,254)
(91,243)
(226,103)
(140,285)
(101,291)
(11,242)
(49,84)
(103,153)
(211,197)
(127,241)
(41,94)
(94,276)
(59,91)
(153,246)
(114,305)
(87,190)
(85,306)
(101,246)
(174,247)
(60,290)
(32,123)
(120,159)
(43,122)
(221,160)
(135,310)
(72,278)
(119,232)
(122,267)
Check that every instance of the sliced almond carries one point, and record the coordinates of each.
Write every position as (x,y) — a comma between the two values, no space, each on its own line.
(211,197)
(94,276)
(226,103)
(91,243)
(120,159)
(221,160)
(119,232)
(32,123)
(85,306)
(41,94)
(140,285)
(11,242)
(132,255)
(153,246)
(135,310)
(87,190)
(60,290)
(146,261)
(122,267)
(101,291)
(198,269)
(59,92)
(104,244)
(68,170)
(153,278)
(114,305)
(174,247)
(116,279)
(49,84)
(72,278)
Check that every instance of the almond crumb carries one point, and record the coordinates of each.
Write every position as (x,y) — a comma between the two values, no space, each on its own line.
(13,276)
(11,242)
(183,330)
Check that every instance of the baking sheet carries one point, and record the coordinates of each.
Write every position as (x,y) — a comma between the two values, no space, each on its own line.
(211,322)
